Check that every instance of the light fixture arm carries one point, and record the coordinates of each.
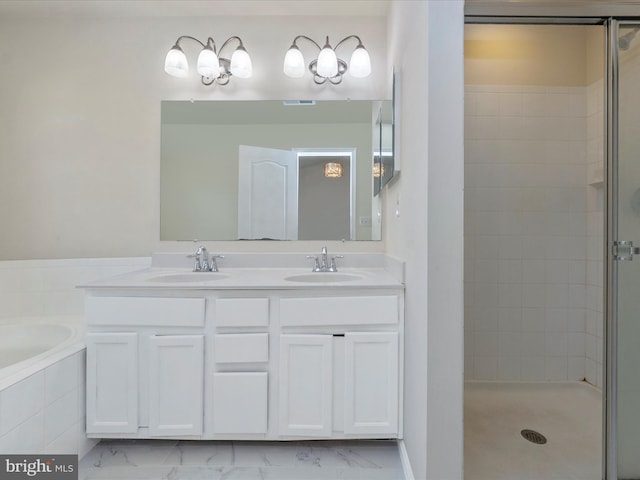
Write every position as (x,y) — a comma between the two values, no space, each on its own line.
(347,38)
(306,38)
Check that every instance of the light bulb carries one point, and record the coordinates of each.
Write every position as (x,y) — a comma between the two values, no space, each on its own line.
(293,63)
(327,62)
(360,65)
(241,63)
(208,63)
(175,63)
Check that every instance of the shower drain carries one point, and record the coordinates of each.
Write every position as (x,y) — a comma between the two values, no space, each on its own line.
(534,437)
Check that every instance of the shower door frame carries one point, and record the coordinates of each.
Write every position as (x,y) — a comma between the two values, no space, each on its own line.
(611,22)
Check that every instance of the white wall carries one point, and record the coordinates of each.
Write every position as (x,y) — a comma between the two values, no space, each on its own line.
(80,122)
(425,46)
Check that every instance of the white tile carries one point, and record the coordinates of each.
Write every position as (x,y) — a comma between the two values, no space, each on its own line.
(486,271)
(21,401)
(532,368)
(577,296)
(533,295)
(486,344)
(510,271)
(66,443)
(556,295)
(533,319)
(576,345)
(510,319)
(509,344)
(556,271)
(486,368)
(509,295)
(556,368)
(576,320)
(60,378)
(577,272)
(488,104)
(533,344)
(509,368)
(486,294)
(28,437)
(60,415)
(533,271)
(556,319)
(556,345)
(576,368)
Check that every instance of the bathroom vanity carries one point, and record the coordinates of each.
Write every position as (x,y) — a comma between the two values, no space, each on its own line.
(249,353)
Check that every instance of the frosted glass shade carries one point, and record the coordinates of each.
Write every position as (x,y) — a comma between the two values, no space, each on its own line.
(175,63)
(241,65)
(327,62)
(360,65)
(294,63)
(208,63)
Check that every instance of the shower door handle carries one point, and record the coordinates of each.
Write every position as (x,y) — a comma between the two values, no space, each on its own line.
(623,250)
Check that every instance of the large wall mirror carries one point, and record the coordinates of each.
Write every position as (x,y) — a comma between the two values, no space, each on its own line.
(269,170)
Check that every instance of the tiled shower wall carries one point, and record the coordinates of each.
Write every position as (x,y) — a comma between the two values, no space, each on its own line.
(526,242)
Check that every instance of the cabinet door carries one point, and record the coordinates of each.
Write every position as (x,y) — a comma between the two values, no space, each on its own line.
(176,365)
(112,363)
(371,383)
(240,402)
(305,385)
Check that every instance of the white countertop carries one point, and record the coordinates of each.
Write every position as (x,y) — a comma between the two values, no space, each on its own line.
(249,279)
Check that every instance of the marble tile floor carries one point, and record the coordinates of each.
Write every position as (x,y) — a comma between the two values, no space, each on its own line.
(568,414)
(218,460)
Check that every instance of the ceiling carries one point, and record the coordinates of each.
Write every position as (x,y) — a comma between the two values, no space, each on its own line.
(188,8)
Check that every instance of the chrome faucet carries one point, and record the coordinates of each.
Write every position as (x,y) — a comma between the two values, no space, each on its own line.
(202,261)
(322,264)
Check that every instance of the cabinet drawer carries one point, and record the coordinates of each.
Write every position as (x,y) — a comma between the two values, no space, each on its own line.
(241,348)
(242,312)
(176,312)
(368,310)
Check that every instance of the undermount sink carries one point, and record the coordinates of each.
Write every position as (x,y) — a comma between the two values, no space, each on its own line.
(192,277)
(323,277)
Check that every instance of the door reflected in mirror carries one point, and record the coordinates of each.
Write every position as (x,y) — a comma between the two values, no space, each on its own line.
(248,170)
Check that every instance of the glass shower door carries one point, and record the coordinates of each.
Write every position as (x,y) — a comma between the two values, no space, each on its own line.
(624,255)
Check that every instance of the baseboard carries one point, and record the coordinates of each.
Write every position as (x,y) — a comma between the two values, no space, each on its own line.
(404,459)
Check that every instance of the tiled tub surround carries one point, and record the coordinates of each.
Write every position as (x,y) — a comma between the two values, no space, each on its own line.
(42,399)
(532,243)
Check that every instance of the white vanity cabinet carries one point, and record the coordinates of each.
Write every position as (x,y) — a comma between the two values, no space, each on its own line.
(145,364)
(339,366)
(244,364)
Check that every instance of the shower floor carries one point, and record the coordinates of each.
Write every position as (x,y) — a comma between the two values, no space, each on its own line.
(569,415)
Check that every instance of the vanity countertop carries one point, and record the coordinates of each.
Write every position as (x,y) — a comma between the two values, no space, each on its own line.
(249,279)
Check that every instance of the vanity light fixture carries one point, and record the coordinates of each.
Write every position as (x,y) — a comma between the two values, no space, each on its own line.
(333,170)
(211,67)
(327,66)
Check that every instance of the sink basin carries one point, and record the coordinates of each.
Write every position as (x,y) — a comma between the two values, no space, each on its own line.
(192,277)
(323,277)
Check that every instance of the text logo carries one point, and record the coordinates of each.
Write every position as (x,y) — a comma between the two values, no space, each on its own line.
(49,467)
